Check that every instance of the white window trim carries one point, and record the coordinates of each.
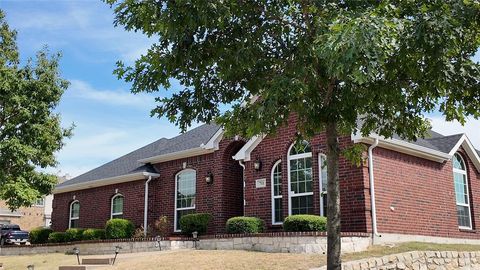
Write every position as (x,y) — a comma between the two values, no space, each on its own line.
(273,193)
(70,218)
(42,204)
(320,180)
(111,206)
(289,158)
(175,229)
(463,172)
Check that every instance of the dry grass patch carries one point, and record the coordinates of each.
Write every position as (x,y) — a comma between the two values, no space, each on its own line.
(221,259)
(182,259)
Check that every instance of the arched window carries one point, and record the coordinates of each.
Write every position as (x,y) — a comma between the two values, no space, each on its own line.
(461,192)
(322,164)
(300,193)
(185,186)
(74,214)
(117,206)
(277,214)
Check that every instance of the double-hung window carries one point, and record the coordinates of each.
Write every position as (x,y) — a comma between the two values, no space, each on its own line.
(461,192)
(277,210)
(185,186)
(322,164)
(74,215)
(117,206)
(300,179)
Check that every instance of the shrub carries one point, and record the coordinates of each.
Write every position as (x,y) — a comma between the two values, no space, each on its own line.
(93,234)
(245,225)
(161,226)
(195,223)
(57,237)
(39,235)
(119,228)
(305,223)
(74,234)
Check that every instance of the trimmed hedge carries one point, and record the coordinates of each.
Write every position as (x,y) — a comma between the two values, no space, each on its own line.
(39,235)
(74,234)
(57,237)
(305,223)
(245,225)
(195,223)
(119,228)
(93,234)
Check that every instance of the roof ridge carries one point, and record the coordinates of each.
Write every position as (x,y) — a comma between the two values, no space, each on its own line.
(122,156)
(445,136)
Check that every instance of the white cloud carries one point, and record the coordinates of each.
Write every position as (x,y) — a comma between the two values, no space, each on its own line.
(471,128)
(83,90)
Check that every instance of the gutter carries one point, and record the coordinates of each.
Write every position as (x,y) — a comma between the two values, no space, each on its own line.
(242,164)
(104,182)
(372,188)
(145,210)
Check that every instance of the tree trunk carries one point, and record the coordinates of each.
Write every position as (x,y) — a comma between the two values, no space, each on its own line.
(334,261)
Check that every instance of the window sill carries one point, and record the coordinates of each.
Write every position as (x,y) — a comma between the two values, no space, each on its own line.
(467,230)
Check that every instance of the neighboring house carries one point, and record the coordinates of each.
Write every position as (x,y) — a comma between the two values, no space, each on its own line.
(430,187)
(28,218)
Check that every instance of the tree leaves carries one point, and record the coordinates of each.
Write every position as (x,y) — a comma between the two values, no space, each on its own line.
(30,132)
(384,63)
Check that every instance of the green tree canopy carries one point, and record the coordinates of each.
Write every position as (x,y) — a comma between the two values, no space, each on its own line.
(30,132)
(332,63)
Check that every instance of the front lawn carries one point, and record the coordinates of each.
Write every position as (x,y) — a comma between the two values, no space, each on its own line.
(220,259)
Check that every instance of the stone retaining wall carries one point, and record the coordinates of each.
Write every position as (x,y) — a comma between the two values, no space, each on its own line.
(271,242)
(97,248)
(418,260)
(285,244)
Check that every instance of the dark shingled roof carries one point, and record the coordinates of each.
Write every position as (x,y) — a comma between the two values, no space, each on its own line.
(440,143)
(129,164)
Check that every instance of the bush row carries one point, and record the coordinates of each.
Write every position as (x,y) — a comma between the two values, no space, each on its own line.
(296,223)
(114,229)
(122,228)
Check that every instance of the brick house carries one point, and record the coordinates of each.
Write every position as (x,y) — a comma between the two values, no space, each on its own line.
(428,189)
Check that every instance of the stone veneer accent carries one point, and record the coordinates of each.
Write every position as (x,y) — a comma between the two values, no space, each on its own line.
(417,260)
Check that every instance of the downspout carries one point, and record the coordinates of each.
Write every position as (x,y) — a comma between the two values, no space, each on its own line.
(242,164)
(145,211)
(372,188)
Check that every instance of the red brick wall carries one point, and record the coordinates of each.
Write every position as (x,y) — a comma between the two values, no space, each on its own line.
(422,195)
(355,214)
(222,198)
(95,205)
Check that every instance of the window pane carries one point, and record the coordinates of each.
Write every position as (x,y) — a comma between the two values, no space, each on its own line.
(460,188)
(117,216)
(301,175)
(458,162)
(278,215)
(300,148)
(75,210)
(186,188)
(324,176)
(463,216)
(277,180)
(74,223)
(302,205)
(181,213)
(117,204)
(324,201)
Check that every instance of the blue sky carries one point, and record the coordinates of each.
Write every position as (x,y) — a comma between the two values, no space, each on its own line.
(109,120)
